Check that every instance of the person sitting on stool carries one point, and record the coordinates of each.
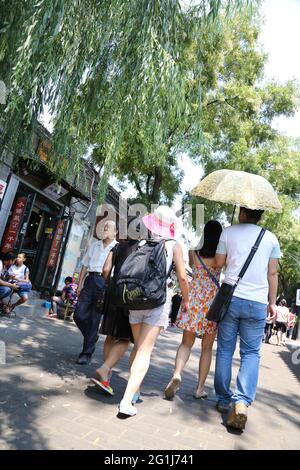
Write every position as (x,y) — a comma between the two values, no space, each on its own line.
(6,288)
(87,314)
(59,303)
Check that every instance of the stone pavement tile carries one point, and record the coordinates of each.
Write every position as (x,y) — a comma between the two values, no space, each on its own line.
(96,422)
(63,441)
(144,440)
(103,438)
(123,444)
(75,429)
(143,426)
(55,390)
(183,447)
(157,423)
(213,445)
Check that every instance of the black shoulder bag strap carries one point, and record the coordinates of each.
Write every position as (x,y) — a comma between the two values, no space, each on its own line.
(251,254)
(221,302)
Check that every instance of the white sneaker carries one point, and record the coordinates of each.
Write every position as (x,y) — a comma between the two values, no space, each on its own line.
(127,409)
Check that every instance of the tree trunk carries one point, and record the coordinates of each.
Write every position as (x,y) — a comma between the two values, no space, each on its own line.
(156,186)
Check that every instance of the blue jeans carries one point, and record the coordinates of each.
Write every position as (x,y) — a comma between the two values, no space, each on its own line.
(5,291)
(246,318)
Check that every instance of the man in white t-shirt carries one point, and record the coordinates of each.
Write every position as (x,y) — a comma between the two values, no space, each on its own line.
(254,296)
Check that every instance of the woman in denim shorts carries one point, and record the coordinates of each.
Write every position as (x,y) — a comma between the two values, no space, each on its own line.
(147,324)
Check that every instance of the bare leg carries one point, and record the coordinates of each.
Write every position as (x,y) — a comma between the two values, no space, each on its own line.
(132,356)
(279,337)
(21,301)
(205,362)
(55,302)
(136,396)
(184,351)
(182,356)
(116,353)
(144,337)
(108,344)
(136,332)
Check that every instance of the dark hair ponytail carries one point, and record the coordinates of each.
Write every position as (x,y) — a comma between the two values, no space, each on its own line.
(212,233)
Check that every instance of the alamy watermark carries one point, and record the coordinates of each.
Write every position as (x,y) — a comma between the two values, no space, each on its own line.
(296,357)
(130,224)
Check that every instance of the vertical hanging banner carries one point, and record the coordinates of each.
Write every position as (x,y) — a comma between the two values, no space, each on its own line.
(56,244)
(12,230)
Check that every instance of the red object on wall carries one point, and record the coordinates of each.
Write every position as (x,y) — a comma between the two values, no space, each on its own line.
(56,244)
(12,230)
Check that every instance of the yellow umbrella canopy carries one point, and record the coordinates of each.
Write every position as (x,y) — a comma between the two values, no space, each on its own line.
(239,188)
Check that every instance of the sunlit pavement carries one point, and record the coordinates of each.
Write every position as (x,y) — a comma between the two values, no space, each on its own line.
(47,401)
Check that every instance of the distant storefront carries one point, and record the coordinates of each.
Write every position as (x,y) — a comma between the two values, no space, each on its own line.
(47,220)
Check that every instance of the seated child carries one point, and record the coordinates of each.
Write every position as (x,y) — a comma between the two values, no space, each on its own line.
(19,274)
(69,294)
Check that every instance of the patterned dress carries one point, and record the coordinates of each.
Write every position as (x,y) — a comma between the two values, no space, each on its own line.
(202,290)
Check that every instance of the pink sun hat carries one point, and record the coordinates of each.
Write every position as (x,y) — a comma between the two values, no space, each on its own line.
(162,221)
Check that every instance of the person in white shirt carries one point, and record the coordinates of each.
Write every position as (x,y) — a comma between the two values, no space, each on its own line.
(253,297)
(19,273)
(281,321)
(91,286)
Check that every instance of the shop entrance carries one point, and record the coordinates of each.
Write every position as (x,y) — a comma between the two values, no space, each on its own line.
(31,228)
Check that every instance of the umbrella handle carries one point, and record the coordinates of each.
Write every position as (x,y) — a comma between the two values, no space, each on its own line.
(232,215)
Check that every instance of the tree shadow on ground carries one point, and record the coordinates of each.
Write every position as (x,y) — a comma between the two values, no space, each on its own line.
(52,347)
(20,408)
(34,346)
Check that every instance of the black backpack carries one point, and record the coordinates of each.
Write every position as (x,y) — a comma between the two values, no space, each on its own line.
(141,283)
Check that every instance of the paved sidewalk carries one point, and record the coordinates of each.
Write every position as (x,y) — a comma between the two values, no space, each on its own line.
(47,401)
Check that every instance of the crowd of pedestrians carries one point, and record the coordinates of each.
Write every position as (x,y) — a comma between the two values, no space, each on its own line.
(120,285)
(124,293)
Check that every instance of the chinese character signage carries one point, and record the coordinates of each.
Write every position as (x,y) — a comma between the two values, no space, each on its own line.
(12,230)
(56,244)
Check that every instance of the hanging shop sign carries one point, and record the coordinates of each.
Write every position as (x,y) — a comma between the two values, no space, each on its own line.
(55,191)
(12,230)
(56,244)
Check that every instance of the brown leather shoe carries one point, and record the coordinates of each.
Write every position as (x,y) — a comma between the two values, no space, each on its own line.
(238,416)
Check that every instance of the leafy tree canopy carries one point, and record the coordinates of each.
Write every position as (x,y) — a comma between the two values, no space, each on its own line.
(231,122)
(107,70)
